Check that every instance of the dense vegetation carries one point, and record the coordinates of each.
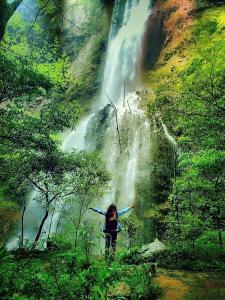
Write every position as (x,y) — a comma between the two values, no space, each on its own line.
(68,275)
(191,102)
(41,87)
(37,98)
(48,75)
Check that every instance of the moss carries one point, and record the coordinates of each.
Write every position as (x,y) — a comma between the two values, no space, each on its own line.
(203,31)
(207,28)
(85,71)
(9,216)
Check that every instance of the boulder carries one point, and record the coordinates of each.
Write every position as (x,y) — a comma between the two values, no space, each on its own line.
(147,250)
(120,289)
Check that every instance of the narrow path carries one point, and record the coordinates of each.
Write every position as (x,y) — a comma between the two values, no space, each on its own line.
(186,285)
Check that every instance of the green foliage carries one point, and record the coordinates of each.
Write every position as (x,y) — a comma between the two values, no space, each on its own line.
(204,4)
(8,217)
(142,287)
(67,275)
(179,257)
(131,256)
(191,227)
(19,79)
(197,201)
(191,102)
(131,227)
(22,130)
(35,74)
(196,97)
(37,162)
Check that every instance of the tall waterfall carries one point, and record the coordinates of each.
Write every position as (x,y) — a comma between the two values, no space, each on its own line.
(115,126)
(124,49)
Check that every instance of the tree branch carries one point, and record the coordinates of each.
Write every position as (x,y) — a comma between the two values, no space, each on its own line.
(37,14)
(117,125)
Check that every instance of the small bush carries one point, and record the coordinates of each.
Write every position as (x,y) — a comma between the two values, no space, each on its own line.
(186,259)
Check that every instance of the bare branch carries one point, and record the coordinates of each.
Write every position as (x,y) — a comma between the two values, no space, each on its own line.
(36,185)
(124,94)
(37,14)
(64,18)
(129,107)
(117,125)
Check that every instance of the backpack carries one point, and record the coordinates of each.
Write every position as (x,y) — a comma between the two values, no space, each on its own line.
(111,224)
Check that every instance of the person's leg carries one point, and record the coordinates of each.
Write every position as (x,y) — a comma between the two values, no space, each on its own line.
(113,243)
(107,244)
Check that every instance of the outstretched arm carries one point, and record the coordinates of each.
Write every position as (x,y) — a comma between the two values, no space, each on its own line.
(98,210)
(123,211)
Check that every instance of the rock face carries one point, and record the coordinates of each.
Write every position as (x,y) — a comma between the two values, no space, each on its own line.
(166,24)
(147,250)
(154,38)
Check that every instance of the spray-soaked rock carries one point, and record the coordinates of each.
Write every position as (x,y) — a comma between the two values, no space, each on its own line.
(96,129)
(147,250)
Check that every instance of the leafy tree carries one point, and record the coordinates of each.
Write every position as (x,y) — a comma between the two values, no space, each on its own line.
(131,227)
(192,103)
(199,192)
(191,227)
(196,97)
(37,162)
(18,79)
(21,130)
(59,176)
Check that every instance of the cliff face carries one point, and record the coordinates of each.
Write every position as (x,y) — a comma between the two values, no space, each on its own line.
(177,30)
(178,33)
(167,27)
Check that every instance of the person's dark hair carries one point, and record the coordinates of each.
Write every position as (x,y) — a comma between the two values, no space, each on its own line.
(111,209)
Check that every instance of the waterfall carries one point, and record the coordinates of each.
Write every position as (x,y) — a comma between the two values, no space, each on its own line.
(115,126)
(124,49)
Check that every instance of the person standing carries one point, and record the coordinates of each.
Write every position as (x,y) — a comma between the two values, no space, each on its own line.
(112,225)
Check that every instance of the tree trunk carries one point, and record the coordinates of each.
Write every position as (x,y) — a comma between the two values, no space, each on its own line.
(22,225)
(78,224)
(130,243)
(6,11)
(219,226)
(220,239)
(41,226)
(57,226)
(50,226)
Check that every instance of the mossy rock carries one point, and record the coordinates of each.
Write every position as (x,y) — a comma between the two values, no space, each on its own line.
(119,290)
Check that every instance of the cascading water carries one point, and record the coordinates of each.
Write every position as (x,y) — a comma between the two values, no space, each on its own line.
(124,49)
(115,126)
